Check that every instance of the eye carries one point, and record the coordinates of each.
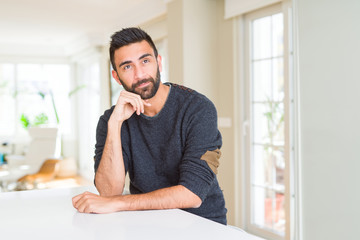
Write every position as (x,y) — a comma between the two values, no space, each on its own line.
(126,67)
(146,61)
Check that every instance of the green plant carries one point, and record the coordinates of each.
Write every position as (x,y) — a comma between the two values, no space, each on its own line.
(39,119)
(42,118)
(275,120)
(275,117)
(24,121)
(3,84)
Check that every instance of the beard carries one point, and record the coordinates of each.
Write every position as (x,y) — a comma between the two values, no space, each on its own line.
(146,92)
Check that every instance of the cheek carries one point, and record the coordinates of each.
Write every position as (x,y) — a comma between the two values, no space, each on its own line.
(126,76)
(152,70)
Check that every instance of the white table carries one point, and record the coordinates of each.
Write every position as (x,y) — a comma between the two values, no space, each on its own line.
(49,214)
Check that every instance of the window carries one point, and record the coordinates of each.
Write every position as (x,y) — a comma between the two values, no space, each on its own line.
(267,117)
(32,91)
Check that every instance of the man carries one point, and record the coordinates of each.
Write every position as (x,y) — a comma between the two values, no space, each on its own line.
(164,135)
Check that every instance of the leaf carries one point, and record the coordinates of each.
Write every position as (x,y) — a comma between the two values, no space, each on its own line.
(40,119)
(269,115)
(42,95)
(75,90)
(4,84)
(24,121)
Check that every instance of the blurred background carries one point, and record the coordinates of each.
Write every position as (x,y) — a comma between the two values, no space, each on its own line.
(282,74)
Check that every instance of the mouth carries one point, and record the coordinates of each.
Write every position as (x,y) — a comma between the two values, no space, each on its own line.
(143,84)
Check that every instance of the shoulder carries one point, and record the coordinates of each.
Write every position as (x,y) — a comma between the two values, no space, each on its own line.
(103,120)
(106,115)
(192,97)
(192,104)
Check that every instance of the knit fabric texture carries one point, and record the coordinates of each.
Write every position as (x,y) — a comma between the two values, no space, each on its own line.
(168,149)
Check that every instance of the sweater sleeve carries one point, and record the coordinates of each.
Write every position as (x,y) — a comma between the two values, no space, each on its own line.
(101,134)
(198,167)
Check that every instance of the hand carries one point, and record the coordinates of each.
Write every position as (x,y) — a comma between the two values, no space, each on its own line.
(127,104)
(92,203)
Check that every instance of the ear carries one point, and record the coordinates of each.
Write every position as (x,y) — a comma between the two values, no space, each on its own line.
(159,58)
(115,76)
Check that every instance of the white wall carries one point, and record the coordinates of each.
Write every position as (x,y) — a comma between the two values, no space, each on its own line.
(329,63)
(192,37)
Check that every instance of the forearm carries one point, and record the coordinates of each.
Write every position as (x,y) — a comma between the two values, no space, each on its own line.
(110,175)
(165,198)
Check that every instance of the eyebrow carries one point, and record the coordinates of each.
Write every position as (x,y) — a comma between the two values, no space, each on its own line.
(141,57)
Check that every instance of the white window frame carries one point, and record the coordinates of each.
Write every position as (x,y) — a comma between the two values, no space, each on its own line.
(243,138)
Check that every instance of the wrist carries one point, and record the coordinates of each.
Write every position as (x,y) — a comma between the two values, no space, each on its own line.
(114,122)
(120,203)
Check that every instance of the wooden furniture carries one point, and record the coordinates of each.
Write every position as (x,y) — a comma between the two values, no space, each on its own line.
(47,172)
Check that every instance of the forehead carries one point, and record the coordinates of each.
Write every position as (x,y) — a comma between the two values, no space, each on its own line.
(132,51)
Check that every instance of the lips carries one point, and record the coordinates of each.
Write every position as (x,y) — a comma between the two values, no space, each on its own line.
(142,83)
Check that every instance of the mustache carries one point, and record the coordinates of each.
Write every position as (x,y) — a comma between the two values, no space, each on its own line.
(135,85)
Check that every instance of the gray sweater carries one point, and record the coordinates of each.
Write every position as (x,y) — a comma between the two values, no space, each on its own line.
(178,146)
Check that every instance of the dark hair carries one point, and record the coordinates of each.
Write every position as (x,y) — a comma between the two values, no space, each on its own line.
(128,36)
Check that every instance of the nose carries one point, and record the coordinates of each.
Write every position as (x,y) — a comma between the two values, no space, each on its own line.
(139,73)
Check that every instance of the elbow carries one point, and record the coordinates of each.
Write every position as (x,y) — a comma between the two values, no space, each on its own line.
(190,199)
(108,189)
(197,204)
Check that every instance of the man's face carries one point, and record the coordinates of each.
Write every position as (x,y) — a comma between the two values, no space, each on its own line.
(137,69)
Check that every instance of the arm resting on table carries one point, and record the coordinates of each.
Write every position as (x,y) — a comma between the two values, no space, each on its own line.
(166,198)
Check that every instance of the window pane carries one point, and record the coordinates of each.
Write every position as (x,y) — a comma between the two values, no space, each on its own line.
(268,123)
(261,43)
(262,80)
(268,209)
(258,207)
(275,118)
(264,170)
(30,87)
(277,35)
(279,163)
(39,89)
(274,211)
(58,77)
(7,99)
(278,79)
(268,167)
(278,124)
(259,164)
(30,78)
(260,123)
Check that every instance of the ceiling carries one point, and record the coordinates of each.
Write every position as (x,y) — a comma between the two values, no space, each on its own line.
(54,27)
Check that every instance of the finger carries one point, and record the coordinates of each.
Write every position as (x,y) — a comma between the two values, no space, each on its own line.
(139,107)
(145,102)
(140,104)
(81,204)
(134,100)
(85,203)
(76,199)
(137,103)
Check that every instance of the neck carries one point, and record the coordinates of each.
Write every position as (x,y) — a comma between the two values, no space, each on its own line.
(158,101)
